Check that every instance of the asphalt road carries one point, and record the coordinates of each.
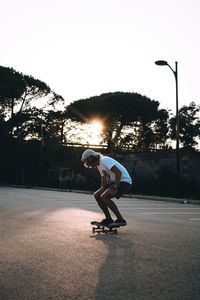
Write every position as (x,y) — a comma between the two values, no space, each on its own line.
(48,251)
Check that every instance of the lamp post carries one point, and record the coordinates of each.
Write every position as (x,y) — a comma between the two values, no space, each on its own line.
(175,72)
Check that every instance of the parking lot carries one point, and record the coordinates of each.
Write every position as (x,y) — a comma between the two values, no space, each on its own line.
(48,250)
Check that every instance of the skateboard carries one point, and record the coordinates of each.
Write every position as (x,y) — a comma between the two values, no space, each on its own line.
(112,229)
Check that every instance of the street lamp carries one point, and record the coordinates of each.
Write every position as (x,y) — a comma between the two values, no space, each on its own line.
(175,72)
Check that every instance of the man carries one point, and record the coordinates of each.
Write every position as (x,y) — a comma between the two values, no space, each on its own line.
(115,181)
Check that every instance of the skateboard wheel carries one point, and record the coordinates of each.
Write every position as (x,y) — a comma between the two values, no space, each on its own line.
(93,229)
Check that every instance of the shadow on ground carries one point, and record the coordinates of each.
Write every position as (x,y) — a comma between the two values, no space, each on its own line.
(116,275)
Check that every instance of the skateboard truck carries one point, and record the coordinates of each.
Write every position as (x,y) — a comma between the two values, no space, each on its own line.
(110,229)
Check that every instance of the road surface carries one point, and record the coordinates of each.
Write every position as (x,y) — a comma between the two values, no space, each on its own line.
(48,251)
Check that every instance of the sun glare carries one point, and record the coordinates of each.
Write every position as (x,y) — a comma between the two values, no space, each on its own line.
(96,130)
(96,126)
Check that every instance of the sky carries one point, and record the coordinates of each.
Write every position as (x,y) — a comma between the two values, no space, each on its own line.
(83,48)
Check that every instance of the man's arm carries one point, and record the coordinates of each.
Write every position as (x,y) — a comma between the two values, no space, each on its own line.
(118,174)
(103,180)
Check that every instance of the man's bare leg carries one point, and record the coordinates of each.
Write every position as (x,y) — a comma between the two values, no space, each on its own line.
(101,203)
(106,199)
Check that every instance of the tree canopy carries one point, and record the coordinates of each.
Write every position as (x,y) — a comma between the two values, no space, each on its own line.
(18,95)
(119,110)
(189,124)
(130,121)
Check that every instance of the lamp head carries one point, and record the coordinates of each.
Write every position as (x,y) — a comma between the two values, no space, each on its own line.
(161,63)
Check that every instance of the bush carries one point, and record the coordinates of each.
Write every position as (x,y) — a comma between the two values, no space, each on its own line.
(74,181)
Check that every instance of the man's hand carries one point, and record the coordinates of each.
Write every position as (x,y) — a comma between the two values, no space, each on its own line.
(113,189)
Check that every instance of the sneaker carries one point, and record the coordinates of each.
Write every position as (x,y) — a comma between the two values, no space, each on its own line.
(106,222)
(120,222)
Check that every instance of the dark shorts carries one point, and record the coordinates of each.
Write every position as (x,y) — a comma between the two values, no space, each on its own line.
(124,188)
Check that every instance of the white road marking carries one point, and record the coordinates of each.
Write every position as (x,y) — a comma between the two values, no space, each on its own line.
(162,248)
(161,208)
(170,213)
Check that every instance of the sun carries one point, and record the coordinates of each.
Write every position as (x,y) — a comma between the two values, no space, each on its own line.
(96,126)
(95,129)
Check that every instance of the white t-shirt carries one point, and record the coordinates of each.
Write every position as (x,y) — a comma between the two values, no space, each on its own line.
(105,165)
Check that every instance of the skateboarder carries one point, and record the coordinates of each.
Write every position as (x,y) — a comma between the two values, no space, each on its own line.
(115,181)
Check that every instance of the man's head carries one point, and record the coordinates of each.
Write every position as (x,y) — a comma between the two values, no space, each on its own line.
(90,158)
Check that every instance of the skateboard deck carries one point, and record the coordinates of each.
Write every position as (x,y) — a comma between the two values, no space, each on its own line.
(98,227)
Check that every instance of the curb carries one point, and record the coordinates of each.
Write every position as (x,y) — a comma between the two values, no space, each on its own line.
(167,199)
(132,196)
